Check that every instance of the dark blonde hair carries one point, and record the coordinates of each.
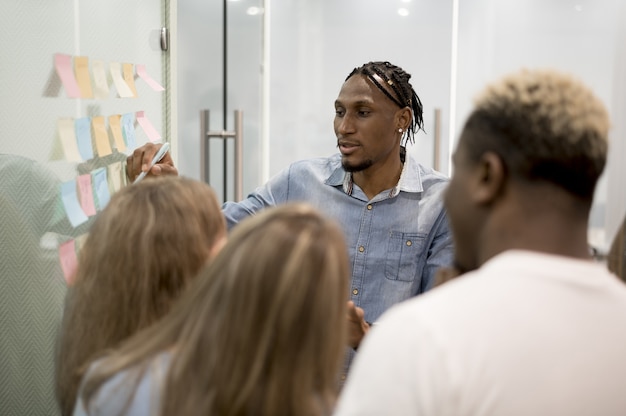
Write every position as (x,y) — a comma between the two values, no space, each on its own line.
(545,125)
(262,330)
(142,250)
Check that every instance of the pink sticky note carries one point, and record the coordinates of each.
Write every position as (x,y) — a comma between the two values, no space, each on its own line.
(69,262)
(143,74)
(147,127)
(86,194)
(63,65)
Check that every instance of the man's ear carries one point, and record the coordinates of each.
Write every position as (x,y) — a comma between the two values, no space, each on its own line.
(490,178)
(403,118)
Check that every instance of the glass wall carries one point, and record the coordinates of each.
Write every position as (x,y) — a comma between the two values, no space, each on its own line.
(581,37)
(285,76)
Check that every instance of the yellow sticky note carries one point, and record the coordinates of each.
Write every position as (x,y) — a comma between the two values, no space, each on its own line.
(102,137)
(116,130)
(68,139)
(129,77)
(81,68)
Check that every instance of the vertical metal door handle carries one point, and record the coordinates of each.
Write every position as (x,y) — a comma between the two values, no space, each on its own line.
(437,145)
(237,135)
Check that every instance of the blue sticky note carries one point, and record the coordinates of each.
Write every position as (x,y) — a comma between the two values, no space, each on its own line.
(101,187)
(74,212)
(128,130)
(83,136)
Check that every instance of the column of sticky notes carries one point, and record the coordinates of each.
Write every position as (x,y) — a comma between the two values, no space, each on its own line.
(86,138)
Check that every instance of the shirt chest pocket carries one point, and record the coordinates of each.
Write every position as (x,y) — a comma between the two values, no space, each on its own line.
(404,256)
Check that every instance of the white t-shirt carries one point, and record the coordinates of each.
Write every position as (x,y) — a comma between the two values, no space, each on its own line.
(526,334)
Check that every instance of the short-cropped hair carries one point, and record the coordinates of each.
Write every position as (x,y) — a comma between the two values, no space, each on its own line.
(545,125)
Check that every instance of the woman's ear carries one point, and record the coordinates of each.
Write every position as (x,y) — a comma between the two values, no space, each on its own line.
(490,178)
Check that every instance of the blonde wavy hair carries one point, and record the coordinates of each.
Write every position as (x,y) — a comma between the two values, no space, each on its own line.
(141,252)
(262,330)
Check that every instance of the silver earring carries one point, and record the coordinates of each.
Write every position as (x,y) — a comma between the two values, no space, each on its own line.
(399,130)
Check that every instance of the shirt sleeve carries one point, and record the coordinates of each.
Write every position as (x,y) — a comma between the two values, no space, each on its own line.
(274,192)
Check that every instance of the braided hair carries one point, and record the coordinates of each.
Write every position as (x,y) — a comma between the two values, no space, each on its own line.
(403,93)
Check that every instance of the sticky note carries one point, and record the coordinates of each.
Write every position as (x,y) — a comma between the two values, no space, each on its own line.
(116,131)
(83,137)
(143,74)
(147,127)
(123,90)
(101,85)
(103,146)
(68,260)
(63,65)
(114,174)
(79,242)
(86,194)
(74,212)
(128,130)
(129,77)
(100,187)
(67,133)
(81,68)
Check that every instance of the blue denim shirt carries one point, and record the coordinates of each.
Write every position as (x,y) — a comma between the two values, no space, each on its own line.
(396,240)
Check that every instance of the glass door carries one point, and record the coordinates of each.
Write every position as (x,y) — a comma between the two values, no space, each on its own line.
(219,70)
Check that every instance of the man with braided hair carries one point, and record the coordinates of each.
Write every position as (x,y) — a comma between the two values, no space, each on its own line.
(534,326)
(390,207)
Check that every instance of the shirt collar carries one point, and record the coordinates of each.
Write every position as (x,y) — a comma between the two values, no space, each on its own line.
(410,178)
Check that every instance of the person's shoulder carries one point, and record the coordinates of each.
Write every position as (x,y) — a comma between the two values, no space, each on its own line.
(319,166)
(430,178)
(135,389)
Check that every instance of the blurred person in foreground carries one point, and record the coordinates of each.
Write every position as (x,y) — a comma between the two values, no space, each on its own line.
(533,326)
(143,249)
(259,332)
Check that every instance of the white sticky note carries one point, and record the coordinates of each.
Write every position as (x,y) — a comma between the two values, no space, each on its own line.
(101,84)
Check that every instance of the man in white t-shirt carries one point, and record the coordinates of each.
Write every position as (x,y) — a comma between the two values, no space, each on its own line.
(533,326)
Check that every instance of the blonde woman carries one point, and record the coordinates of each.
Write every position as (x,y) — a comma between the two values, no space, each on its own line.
(142,250)
(262,330)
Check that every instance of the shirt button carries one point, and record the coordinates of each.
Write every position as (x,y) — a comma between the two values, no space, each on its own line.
(369,207)
(355,291)
(361,249)
(409,243)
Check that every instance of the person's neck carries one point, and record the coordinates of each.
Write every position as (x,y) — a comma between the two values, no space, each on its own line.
(376,179)
(546,229)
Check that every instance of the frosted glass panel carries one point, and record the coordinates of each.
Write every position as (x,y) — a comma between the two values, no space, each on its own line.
(56,147)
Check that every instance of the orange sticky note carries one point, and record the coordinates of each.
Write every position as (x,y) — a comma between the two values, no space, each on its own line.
(116,131)
(69,261)
(81,68)
(103,146)
(129,77)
